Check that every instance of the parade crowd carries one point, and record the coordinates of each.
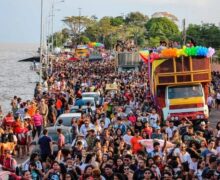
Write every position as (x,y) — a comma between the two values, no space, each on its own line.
(123,139)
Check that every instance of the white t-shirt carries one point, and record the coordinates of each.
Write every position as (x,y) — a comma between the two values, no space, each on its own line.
(193,165)
(210,100)
(198,174)
(127,139)
(169,131)
(218,96)
(185,157)
(153,119)
(83,129)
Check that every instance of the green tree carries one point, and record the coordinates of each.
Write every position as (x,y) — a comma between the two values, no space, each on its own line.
(77,24)
(136,18)
(162,27)
(205,34)
(84,39)
(154,42)
(117,21)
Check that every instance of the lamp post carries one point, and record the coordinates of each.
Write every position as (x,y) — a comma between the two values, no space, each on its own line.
(52,20)
(41,42)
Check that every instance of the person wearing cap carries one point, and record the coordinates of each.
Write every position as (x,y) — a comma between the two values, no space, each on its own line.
(208,134)
(91,138)
(157,134)
(185,122)
(80,137)
(170,129)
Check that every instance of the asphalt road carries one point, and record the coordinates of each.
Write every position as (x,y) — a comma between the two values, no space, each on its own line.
(214,117)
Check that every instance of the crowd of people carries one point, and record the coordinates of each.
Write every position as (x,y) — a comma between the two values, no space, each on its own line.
(124,138)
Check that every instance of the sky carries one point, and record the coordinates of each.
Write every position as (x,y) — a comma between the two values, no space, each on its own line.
(20,19)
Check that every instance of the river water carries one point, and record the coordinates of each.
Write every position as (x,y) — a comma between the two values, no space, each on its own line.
(16,78)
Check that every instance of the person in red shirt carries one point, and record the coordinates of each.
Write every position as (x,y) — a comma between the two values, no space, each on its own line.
(148,130)
(16,124)
(8,120)
(22,140)
(59,105)
(8,163)
(136,146)
(132,118)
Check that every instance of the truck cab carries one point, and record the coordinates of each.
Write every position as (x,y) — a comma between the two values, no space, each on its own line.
(185,100)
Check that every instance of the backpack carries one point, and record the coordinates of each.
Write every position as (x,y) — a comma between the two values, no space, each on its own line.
(54,176)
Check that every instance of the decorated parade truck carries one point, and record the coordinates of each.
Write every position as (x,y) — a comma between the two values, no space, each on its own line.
(81,52)
(128,61)
(180,86)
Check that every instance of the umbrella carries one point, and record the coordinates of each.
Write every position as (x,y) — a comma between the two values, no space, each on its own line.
(95,44)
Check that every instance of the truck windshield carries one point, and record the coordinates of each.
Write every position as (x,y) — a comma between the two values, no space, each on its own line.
(187,91)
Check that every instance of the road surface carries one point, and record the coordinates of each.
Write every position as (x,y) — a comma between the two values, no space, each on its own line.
(214,118)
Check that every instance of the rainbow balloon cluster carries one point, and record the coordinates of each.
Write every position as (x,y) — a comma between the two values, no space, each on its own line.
(174,52)
(95,44)
(187,51)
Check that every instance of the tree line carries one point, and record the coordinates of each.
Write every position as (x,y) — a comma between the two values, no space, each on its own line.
(144,31)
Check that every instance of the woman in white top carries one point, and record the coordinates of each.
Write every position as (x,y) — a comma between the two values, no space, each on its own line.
(182,154)
(127,137)
(199,171)
(218,99)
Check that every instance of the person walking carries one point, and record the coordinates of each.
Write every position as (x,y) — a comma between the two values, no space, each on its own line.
(61,139)
(46,147)
(38,122)
(43,111)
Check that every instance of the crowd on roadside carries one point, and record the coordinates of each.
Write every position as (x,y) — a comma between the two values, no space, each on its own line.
(124,138)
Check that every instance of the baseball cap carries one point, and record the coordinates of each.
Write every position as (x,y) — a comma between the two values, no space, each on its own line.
(202,123)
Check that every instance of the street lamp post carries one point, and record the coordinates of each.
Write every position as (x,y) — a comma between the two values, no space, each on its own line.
(41,42)
(53,4)
(52,25)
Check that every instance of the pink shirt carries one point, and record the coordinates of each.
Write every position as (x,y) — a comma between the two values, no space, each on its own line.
(132,119)
(38,120)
